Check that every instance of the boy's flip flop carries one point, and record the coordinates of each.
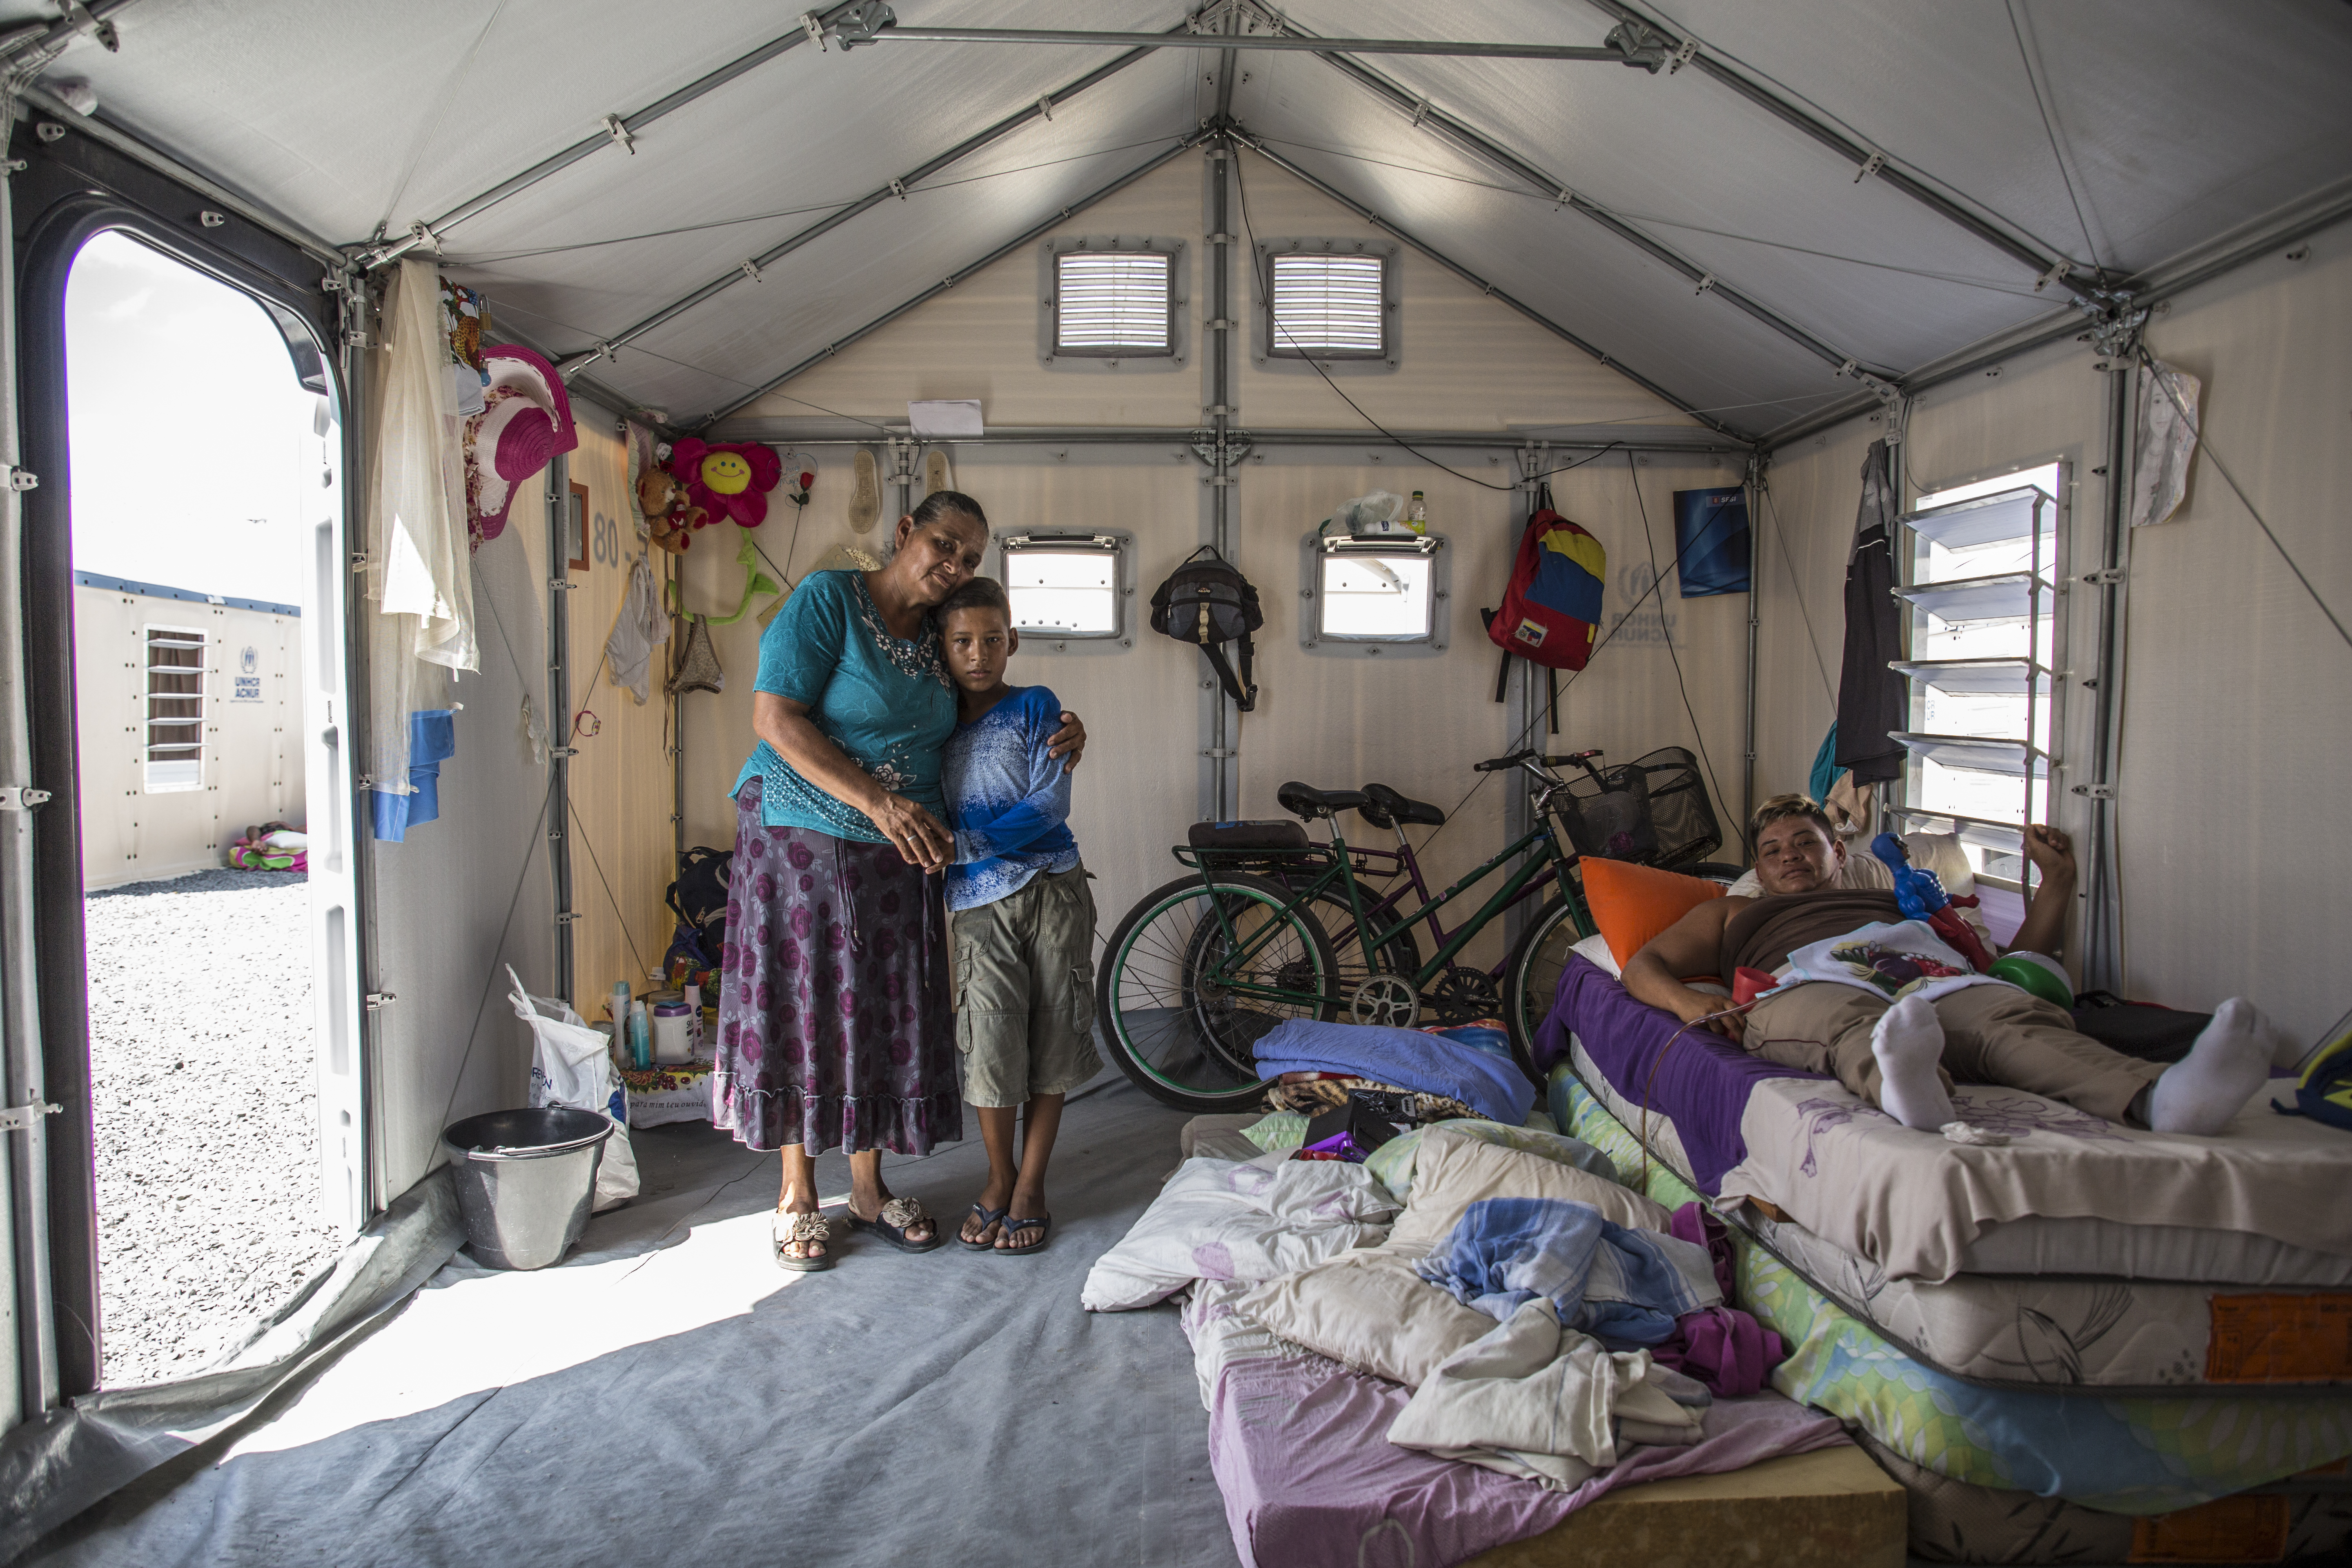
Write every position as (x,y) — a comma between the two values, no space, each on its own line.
(899,1216)
(988,1216)
(1042,1225)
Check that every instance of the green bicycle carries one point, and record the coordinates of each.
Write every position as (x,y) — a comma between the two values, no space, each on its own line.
(1267,932)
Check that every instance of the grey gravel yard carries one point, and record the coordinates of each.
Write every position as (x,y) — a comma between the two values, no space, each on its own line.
(200,1039)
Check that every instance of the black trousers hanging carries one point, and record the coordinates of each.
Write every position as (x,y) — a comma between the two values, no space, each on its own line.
(1872,698)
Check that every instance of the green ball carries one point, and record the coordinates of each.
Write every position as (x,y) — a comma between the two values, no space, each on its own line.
(2032,973)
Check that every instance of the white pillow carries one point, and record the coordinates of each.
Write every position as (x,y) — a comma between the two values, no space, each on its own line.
(1224,1219)
(1369,1310)
(1596,948)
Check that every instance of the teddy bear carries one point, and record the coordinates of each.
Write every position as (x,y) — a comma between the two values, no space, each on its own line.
(662,500)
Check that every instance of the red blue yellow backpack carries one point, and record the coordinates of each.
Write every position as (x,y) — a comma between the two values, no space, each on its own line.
(1553,601)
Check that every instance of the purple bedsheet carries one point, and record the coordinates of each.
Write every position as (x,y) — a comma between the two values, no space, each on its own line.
(1300,1446)
(1701,1085)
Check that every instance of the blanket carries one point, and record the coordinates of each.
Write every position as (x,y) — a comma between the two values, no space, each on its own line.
(1539,1400)
(1217,1219)
(1620,1285)
(1470,1069)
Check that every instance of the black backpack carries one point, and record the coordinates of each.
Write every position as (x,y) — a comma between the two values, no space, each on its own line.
(1210,604)
(698,898)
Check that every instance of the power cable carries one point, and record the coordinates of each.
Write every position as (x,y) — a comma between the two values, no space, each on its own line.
(1781,538)
(2033,82)
(2148,363)
(1688,711)
(594,859)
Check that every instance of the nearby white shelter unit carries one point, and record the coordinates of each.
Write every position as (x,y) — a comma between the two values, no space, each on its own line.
(1606,246)
(189,725)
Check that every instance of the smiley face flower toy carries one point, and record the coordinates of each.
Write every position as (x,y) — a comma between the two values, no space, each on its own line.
(729,479)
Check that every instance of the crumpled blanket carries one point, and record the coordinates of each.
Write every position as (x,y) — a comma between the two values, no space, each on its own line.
(1216,1219)
(1542,1401)
(1723,1347)
(1619,1284)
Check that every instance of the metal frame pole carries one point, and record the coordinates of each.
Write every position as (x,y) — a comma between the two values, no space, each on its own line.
(1754,637)
(1221,716)
(2102,916)
(559,717)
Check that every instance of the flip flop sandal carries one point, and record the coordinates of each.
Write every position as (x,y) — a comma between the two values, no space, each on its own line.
(788,1228)
(1042,1225)
(899,1216)
(988,1216)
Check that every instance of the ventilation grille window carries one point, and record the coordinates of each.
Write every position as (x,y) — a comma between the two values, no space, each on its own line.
(1329,307)
(175,709)
(1115,302)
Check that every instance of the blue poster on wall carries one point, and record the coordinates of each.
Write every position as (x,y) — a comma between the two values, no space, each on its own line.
(1711,540)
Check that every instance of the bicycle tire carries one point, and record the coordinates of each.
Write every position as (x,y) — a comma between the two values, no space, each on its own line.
(1400,955)
(1175,1034)
(1531,978)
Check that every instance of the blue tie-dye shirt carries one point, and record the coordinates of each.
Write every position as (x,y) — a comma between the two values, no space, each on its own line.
(1007,800)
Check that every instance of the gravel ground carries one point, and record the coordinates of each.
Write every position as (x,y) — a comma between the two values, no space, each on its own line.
(200,1040)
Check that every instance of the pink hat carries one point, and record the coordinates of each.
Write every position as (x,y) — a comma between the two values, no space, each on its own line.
(525,420)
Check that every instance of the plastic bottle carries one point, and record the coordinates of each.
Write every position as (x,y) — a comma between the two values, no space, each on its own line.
(641,1037)
(1416,516)
(619,1005)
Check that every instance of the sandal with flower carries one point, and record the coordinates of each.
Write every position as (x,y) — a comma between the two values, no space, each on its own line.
(793,1229)
(899,1216)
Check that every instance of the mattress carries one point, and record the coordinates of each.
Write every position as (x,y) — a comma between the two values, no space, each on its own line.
(2065,1193)
(2117,1452)
(2100,1335)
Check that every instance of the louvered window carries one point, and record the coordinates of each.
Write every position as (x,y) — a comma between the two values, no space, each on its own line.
(1114,304)
(175,709)
(1329,307)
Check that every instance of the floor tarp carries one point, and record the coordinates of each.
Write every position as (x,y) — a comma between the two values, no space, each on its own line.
(667,1395)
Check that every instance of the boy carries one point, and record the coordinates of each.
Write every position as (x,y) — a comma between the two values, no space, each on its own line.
(1024,921)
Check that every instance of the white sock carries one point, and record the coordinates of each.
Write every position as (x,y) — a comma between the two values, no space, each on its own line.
(2202,1093)
(1909,1044)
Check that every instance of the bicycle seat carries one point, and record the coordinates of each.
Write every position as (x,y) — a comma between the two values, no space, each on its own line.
(1300,800)
(1384,807)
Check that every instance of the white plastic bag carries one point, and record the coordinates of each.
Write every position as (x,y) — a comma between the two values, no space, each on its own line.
(571,1065)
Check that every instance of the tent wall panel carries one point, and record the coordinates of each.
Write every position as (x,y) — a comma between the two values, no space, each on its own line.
(472,892)
(620,782)
(2238,705)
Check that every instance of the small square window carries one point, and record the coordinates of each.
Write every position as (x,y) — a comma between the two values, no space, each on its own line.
(1064,589)
(1369,596)
(1328,306)
(1114,303)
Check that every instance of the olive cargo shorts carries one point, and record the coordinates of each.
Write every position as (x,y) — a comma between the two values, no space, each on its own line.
(1025,991)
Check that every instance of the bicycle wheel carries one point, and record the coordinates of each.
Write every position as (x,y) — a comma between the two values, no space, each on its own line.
(1400,955)
(1173,1022)
(1532,979)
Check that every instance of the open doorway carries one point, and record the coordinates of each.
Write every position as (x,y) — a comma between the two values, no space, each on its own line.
(200,463)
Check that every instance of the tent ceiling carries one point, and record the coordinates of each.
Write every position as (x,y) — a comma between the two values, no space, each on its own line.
(2174,121)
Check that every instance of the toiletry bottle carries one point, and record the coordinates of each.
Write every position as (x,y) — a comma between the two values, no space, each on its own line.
(641,1037)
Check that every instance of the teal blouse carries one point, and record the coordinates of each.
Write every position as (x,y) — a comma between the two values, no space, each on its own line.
(885,701)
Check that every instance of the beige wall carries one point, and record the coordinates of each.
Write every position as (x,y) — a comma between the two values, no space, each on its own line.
(1416,723)
(2235,710)
(252,759)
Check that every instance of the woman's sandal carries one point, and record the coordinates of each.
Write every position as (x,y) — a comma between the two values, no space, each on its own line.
(899,1216)
(987,1216)
(791,1227)
(1042,1225)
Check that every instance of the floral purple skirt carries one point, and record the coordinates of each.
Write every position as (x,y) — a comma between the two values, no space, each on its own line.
(835,1029)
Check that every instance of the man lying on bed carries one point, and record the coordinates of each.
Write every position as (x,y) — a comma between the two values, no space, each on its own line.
(1895,1016)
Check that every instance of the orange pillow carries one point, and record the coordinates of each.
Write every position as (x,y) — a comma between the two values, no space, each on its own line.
(1631,904)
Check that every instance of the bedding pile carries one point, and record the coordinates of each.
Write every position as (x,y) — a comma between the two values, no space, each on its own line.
(2122,1322)
(1426,1377)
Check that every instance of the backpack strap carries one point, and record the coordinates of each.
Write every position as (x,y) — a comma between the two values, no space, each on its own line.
(1242,690)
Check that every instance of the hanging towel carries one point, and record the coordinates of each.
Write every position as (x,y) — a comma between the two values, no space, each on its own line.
(1625,1287)
(417,542)
(432,741)
(629,651)
(1872,698)
(1826,766)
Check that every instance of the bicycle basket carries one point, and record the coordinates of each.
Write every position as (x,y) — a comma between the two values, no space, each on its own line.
(1680,812)
(1609,820)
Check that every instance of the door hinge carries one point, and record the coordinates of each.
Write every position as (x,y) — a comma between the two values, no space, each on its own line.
(559,584)
(2095,792)
(22,797)
(22,479)
(568,917)
(2104,577)
(379,1000)
(22,1118)
(1221,751)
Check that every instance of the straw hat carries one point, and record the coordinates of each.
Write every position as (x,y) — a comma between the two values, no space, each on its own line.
(525,420)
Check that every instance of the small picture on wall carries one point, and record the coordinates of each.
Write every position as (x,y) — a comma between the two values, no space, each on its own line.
(575,534)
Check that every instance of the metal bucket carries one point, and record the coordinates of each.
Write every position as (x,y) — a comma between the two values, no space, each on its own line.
(525,1179)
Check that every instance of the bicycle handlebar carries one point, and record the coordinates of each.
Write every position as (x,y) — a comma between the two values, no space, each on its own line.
(1497,764)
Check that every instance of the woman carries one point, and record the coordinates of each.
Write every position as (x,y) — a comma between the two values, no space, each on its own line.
(834,1027)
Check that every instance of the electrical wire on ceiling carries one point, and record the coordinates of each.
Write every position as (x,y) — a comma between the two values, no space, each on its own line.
(1524,194)
(491,257)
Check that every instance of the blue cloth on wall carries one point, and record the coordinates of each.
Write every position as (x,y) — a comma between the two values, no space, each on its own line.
(1465,1064)
(432,741)
(1711,545)
(1621,1285)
